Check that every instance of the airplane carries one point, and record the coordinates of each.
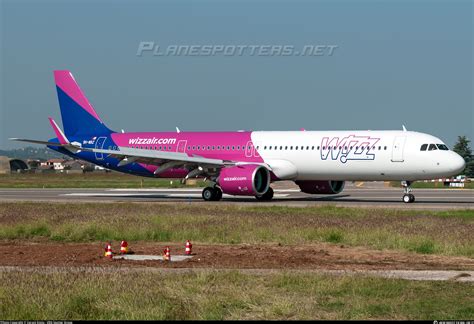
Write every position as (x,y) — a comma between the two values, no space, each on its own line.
(244,163)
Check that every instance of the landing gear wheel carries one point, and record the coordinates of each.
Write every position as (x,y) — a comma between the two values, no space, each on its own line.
(208,194)
(218,193)
(212,194)
(408,198)
(266,196)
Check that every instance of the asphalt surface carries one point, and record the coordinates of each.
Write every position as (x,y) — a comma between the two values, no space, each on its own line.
(361,195)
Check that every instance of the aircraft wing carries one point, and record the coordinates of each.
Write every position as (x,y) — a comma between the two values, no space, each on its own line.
(156,157)
(164,160)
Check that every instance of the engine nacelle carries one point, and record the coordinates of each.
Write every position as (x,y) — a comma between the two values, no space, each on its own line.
(328,187)
(244,180)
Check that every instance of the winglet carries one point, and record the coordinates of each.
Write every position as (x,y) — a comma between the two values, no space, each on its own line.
(59,133)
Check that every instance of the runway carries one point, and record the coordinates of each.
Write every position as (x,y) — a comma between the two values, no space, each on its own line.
(352,196)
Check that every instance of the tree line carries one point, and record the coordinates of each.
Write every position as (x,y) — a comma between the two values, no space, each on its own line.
(462,148)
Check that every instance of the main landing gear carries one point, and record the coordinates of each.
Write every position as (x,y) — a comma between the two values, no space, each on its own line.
(408,197)
(212,193)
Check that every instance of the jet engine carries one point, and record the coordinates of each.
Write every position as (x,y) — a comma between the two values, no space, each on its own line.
(244,180)
(328,187)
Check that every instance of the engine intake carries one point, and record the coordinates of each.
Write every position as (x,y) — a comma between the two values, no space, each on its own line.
(244,180)
(328,187)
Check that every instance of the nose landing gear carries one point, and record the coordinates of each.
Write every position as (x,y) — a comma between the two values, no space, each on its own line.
(408,197)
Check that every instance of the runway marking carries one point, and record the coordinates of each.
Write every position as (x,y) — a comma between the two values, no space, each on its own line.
(195,195)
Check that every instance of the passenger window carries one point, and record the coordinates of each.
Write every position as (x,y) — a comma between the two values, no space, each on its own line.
(385,148)
(432,147)
(424,147)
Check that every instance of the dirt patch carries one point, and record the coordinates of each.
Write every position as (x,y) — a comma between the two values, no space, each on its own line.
(318,256)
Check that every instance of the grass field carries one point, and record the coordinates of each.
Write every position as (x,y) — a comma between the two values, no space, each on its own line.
(213,294)
(427,232)
(227,295)
(88,180)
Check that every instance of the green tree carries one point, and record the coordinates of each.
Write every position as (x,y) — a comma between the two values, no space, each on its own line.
(462,148)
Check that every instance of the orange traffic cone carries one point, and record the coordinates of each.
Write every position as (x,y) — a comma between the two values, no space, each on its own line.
(167,254)
(189,248)
(123,247)
(108,251)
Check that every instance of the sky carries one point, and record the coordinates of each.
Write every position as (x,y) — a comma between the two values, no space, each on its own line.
(394,63)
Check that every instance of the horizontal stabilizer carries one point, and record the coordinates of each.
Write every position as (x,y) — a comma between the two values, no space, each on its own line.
(71,147)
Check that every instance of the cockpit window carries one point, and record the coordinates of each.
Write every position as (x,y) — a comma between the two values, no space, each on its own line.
(424,147)
(432,147)
(442,147)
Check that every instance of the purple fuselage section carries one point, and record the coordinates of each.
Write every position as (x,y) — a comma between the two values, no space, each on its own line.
(232,146)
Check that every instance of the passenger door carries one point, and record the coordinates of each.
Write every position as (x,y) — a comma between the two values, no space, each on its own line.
(397,148)
(181,147)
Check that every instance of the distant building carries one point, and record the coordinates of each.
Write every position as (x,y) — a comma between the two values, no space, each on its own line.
(8,165)
(73,166)
(33,164)
(57,164)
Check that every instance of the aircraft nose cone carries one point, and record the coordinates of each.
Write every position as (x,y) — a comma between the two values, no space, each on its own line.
(457,164)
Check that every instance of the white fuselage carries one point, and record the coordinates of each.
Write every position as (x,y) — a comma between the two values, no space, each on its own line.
(355,155)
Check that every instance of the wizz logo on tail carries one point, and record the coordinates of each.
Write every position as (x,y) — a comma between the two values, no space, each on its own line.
(348,148)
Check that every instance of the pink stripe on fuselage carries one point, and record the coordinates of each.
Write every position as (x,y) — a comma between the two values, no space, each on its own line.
(66,82)
(236,141)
